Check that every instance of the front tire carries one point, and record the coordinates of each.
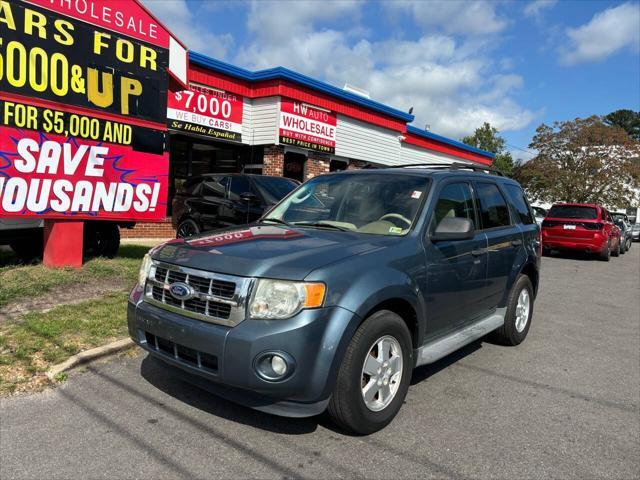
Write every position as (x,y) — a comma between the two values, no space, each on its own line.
(517,320)
(374,376)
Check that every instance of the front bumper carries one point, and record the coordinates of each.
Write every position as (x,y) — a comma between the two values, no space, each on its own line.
(220,359)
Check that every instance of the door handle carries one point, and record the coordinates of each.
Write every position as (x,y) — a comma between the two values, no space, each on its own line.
(516,243)
(476,253)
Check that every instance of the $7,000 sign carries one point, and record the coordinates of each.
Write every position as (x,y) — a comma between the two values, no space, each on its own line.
(205,111)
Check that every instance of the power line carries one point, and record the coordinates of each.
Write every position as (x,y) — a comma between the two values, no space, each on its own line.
(525,150)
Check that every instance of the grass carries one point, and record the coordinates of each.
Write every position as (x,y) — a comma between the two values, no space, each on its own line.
(28,347)
(19,282)
(32,343)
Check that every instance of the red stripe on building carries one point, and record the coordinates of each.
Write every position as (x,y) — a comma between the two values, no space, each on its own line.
(436,146)
(270,88)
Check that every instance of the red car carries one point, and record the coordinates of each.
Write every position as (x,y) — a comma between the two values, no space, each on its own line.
(586,227)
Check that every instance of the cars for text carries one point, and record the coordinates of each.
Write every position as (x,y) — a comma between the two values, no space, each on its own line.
(333,297)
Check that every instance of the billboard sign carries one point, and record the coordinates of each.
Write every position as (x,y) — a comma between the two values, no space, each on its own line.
(307,126)
(206,111)
(83,96)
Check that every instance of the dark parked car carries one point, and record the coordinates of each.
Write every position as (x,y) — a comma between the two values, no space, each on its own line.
(333,297)
(626,230)
(584,227)
(218,200)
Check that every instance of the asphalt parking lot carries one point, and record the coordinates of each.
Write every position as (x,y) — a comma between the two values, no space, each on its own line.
(565,404)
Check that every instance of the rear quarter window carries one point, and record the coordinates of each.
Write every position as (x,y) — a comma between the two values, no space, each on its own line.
(518,201)
(493,207)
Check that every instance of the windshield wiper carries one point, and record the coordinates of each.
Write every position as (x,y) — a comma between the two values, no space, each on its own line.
(276,220)
(322,225)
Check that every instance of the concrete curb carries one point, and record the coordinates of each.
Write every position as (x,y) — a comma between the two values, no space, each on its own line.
(89,356)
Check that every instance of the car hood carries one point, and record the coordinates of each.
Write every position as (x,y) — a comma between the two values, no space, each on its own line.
(265,250)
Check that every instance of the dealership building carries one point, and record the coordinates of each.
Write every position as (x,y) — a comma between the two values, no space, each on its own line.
(279,122)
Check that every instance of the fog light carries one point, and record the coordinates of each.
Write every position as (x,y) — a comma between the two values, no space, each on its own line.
(274,366)
(279,365)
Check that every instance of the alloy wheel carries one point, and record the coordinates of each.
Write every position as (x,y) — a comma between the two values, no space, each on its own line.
(522,310)
(381,373)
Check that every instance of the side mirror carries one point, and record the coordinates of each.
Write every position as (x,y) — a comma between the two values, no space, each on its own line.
(248,197)
(453,228)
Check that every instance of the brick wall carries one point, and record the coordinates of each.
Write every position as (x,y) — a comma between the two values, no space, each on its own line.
(150,230)
(273,163)
(317,164)
(356,164)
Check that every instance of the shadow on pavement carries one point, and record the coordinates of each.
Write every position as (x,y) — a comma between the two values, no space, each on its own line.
(170,380)
(421,374)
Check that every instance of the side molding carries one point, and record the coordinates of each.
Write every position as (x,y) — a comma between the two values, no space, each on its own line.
(437,349)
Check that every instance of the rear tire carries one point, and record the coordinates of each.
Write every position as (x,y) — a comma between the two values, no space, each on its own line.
(187,228)
(30,249)
(606,253)
(616,252)
(101,239)
(347,407)
(517,320)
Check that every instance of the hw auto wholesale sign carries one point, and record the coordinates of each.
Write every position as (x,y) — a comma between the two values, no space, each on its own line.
(83,96)
(306,126)
(206,111)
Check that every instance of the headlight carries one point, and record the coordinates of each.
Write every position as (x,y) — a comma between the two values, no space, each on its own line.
(144,270)
(278,299)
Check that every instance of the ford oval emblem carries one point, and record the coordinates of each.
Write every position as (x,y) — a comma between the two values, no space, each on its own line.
(181,291)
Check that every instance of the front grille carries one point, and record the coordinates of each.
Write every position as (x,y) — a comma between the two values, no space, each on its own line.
(215,298)
(181,353)
(196,305)
(200,284)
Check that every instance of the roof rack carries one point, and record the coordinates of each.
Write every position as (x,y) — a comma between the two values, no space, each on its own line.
(452,166)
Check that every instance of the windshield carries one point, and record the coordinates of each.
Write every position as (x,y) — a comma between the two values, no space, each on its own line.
(379,204)
(540,212)
(274,189)
(573,211)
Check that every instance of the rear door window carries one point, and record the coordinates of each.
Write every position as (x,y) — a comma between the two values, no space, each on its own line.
(494,212)
(520,204)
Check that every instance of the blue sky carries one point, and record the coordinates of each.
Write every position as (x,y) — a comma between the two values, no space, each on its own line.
(515,64)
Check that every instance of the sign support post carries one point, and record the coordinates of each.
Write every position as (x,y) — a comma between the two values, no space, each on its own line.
(63,243)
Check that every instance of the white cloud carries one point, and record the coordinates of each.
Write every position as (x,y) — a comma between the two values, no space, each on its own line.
(451,83)
(182,20)
(462,17)
(534,9)
(606,33)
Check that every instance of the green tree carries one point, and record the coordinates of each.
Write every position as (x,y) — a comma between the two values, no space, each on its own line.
(585,161)
(628,120)
(487,138)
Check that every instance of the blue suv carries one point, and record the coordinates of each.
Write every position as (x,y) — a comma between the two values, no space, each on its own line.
(331,299)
